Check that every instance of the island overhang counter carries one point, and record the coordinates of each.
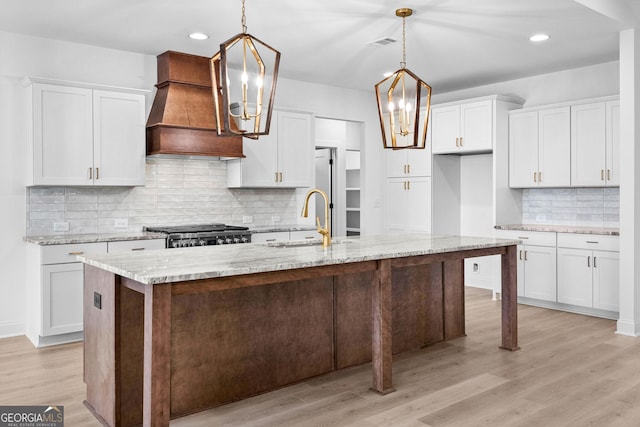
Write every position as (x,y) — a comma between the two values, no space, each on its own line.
(176,331)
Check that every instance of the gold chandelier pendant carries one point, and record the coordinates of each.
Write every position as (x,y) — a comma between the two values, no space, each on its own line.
(242,72)
(404,102)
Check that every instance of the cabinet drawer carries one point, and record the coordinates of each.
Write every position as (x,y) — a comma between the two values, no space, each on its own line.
(275,236)
(136,245)
(536,238)
(304,235)
(589,241)
(59,254)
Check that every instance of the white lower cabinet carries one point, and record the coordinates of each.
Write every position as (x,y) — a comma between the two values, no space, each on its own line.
(55,287)
(537,272)
(61,298)
(588,276)
(568,271)
(536,263)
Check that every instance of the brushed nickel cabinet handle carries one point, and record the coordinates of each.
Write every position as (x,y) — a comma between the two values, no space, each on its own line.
(457,142)
(404,168)
(404,185)
(523,238)
(76,253)
(520,256)
(608,174)
(539,176)
(137,249)
(592,241)
(408,168)
(269,240)
(601,174)
(276,180)
(97,173)
(594,262)
(90,173)
(525,255)
(460,141)
(535,174)
(588,261)
(280,176)
(408,185)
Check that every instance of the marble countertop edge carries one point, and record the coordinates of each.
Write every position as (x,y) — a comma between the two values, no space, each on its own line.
(209,262)
(606,231)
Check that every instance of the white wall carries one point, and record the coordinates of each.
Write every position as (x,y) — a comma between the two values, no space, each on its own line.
(568,85)
(22,56)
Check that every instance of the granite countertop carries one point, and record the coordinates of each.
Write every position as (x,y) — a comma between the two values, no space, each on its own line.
(561,229)
(182,264)
(92,238)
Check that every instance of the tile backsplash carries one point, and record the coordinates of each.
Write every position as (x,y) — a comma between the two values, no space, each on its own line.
(178,190)
(590,207)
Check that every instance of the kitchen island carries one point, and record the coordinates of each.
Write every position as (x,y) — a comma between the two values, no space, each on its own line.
(176,331)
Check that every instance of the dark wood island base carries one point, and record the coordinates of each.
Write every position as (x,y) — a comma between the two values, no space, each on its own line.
(155,352)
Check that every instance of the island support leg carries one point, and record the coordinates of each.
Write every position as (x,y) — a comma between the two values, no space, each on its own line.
(381,328)
(156,398)
(510,300)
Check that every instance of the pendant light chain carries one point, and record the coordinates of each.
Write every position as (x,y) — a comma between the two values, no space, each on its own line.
(244,20)
(403,64)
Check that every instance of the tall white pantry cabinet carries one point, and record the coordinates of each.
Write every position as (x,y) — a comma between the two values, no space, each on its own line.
(83,135)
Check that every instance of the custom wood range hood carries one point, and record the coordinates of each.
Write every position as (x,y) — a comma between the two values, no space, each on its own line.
(182,118)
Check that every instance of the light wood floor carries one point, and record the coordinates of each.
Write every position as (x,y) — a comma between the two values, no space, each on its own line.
(572,370)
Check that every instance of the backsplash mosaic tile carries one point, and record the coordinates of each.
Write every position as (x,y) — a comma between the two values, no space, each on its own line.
(589,207)
(181,190)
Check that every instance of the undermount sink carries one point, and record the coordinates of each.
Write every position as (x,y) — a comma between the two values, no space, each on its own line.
(303,243)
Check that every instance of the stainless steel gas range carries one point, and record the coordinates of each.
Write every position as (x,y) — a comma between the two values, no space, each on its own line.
(182,236)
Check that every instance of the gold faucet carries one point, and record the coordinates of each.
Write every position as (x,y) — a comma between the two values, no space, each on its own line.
(326,233)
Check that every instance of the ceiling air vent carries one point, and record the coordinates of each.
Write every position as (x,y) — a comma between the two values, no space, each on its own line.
(382,42)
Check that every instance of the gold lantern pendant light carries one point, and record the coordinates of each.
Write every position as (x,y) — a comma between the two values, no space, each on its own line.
(404,101)
(242,72)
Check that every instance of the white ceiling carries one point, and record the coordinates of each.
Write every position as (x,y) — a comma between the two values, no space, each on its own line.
(452,44)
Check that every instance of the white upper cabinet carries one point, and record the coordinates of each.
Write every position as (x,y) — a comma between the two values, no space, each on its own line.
(82,136)
(462,128)
(118,154)
(539,148)
(284,158)
(409,162)
(595,140)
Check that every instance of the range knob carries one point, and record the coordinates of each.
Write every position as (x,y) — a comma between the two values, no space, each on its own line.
(202,242)
(236,240)
(220,242)
(175,244)
(245,240)
(228,240)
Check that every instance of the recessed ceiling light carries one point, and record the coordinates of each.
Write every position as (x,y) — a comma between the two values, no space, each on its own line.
(539,37)
(198,36)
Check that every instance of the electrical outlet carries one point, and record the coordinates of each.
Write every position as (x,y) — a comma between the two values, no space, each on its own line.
(60,226)
(97,300)
(121,223)
(247,219)
(275,218)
